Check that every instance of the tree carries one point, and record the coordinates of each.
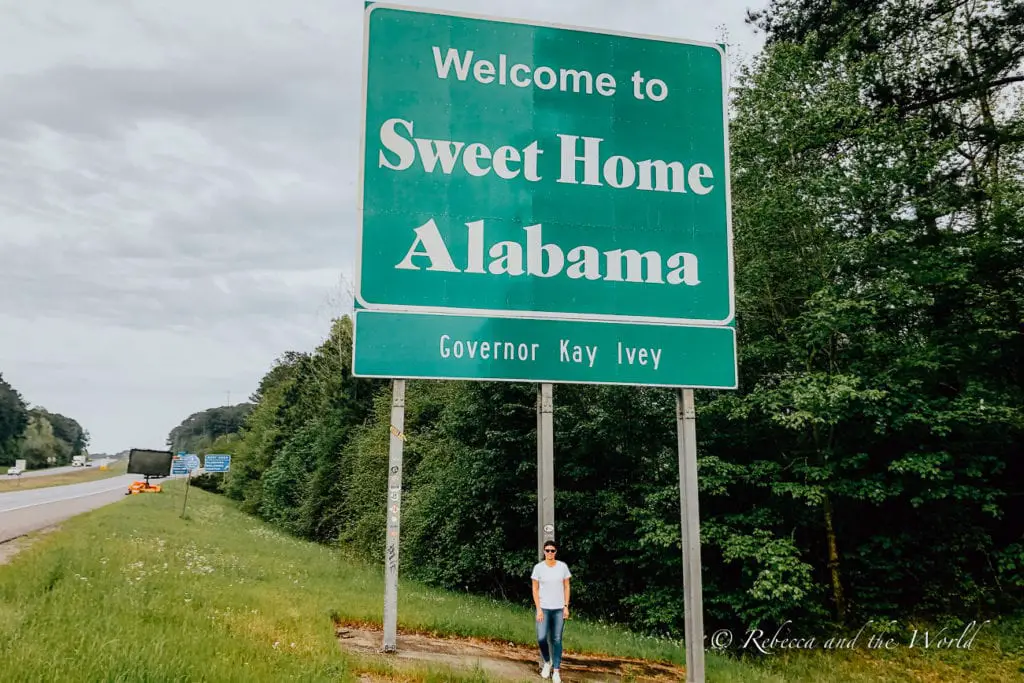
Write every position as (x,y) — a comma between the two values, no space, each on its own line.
(13,421)
(41,444)
(199,430)
(66,429)
(879,250)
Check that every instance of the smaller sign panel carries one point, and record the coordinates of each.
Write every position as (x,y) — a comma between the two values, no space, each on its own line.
(421,346)
(193,462)
(217,463)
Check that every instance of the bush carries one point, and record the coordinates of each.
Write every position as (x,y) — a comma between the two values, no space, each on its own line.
(210,481)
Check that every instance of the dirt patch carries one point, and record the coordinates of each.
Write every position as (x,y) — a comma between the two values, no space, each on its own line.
(13,546)
(500,660)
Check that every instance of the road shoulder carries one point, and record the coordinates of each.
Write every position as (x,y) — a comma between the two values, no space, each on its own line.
(13,546)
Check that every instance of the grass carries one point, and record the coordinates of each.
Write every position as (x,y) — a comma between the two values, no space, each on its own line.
(132,592)
(77,477)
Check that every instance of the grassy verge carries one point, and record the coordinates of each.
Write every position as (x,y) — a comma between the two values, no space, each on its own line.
(132,592)
(85,474)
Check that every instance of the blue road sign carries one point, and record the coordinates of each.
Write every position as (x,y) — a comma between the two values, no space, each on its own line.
(217,463)
(184,463)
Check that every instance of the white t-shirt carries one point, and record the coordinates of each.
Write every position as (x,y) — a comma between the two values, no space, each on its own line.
(552,594)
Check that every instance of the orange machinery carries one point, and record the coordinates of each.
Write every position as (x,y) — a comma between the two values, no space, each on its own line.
(142,487)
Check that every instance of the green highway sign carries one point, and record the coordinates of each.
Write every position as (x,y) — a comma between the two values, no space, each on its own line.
(425,346)
(513,170)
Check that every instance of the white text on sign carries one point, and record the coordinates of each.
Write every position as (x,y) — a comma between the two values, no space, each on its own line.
(507,162)
(547,260)
(543,77)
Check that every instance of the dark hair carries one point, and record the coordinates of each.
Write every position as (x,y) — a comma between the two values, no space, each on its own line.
(550,544)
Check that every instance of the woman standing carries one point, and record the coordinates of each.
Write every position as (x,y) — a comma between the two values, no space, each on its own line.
(551,598)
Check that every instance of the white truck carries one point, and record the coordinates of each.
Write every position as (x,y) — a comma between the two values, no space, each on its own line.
(80,461)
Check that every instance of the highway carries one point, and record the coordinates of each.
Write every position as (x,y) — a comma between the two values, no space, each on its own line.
(47,471)
(22,512)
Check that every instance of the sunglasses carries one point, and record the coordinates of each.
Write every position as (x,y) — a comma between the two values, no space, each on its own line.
(550,550)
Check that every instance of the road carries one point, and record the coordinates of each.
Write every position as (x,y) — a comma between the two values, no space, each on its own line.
(47,471)
(22,512)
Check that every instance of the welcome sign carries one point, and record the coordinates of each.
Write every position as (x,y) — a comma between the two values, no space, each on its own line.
(540,188)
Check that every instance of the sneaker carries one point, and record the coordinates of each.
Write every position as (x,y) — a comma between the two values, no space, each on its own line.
(546,671)
(555,677)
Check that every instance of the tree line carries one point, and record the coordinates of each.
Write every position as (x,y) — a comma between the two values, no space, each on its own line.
(35,434)
(870,463)
(198,431)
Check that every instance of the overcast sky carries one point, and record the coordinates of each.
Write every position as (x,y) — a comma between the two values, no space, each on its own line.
(177,189)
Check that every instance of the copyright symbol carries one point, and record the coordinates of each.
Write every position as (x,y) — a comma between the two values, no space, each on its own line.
(721,639)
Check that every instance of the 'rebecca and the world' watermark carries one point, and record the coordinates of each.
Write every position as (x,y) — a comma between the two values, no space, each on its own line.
(873,635)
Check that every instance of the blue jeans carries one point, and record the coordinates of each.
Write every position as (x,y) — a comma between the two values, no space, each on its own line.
(551,627)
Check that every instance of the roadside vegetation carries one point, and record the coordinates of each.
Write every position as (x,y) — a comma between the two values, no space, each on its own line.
(35,434)
(134,592)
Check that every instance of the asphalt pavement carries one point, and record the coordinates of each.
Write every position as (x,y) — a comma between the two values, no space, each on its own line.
(22,512)
(47,471)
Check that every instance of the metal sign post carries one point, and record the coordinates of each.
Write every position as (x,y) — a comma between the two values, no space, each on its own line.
(693,602)
(540,480)
(545,468)
(181,464)
(188,480)
(393,515)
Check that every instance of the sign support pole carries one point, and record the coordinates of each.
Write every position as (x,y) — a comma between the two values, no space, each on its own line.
(693,602)
(545,467)
(394,506)
(540,479)
(188,480)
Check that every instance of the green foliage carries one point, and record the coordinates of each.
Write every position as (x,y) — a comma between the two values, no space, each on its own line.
(198,432)
(880,298)
(41,444)
(37,435)
(288,464)
(13,422)
(66,429)
(472,498)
